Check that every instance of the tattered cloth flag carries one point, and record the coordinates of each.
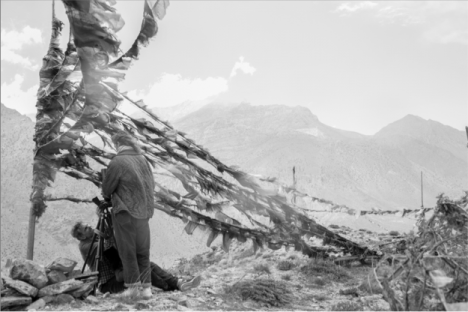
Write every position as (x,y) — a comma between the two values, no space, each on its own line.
(71,106)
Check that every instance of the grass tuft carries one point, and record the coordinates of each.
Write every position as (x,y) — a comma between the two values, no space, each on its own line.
(262,268)
(268,292)
(347,306)
(286,277)
(326,269)
(285,265)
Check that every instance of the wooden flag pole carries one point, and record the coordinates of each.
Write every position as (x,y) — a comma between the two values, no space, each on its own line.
(294,184)
(31,233)
(422,203)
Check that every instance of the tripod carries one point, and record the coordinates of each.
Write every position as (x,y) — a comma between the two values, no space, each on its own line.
(104,230)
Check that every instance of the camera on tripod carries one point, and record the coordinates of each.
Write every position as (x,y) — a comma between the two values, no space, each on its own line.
(102,204)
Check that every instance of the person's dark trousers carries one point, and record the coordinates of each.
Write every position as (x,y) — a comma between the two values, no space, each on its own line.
(112,286)
(133,242)
(162,279)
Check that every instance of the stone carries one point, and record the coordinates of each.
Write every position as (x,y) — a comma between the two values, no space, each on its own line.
(64,299)
(190,303)
(10,292)
(60,288)
(29,272)
(48,299)
(141,306)
(119,307)
(73,274)
(62,264)
(92,300)
(182,308)
(84,290)
(14,301)
(76,304)
(8,263)
(21,287)
(36,305)
(55,277)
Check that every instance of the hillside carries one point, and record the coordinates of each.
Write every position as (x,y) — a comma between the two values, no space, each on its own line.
(53,239)
(381,171)
(362,172)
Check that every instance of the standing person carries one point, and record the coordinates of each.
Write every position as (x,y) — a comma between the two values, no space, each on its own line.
(129,184)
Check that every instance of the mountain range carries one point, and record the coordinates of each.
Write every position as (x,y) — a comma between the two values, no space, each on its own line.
(362,172)
(381,171)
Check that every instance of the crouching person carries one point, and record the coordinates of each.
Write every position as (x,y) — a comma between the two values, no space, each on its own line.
(111,278)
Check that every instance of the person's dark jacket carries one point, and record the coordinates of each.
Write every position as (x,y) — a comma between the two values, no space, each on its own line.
(129,183)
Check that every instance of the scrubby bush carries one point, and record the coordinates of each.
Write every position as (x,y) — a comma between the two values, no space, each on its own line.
(347,306)
(286,277)
(353,291)
(285,265)
(320,297)
(262,268)
(268,292)
(326,269)
(318,281)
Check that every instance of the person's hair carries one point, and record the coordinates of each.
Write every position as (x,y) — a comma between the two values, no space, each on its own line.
(123,138)
(75,228)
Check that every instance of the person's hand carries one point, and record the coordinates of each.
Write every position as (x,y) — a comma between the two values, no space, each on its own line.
(107,199)
(119,275)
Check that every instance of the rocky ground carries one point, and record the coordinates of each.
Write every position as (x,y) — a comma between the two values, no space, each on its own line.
(242,280)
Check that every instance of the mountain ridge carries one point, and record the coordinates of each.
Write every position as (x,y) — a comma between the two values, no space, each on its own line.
(359,168)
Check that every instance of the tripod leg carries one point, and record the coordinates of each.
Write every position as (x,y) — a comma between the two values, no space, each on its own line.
(99,251)
(91,247)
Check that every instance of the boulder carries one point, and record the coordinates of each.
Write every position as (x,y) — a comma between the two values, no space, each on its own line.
(14,301)
(29,272)
(59,288)
(36,305)
(92,300)
(190,303)
(73,274)
(49,299)
(63,265)
(63,299)
(55,276)
(21,287)
(84,290)
(76,305)
(10,292)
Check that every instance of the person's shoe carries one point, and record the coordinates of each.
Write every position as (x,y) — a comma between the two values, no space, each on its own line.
(131,293)
(146,293)
(193,283)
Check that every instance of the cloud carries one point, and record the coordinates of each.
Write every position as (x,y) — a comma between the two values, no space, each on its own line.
(243,66)
(356,6)
(14,97)
(172,89)
(13,41)
(440,21)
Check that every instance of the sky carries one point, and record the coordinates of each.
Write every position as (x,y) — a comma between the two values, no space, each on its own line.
(357,65)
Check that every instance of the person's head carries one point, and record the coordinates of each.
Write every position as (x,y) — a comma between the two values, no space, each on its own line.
(123,138)
(82,231)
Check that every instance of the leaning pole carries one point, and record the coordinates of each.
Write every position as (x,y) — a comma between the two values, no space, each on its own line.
(47,120)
